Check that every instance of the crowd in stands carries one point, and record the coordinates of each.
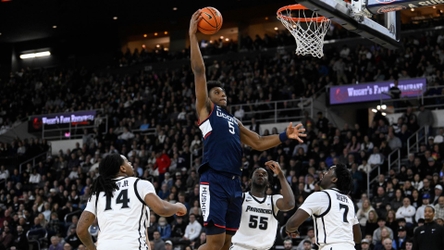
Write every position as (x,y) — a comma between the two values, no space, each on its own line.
(50,194)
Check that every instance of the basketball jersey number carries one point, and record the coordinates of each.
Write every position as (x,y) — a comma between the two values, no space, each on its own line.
(231,127)
(344,215)
(122,198)
(263,222)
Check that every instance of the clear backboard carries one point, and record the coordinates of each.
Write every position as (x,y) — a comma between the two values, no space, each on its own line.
(356,16)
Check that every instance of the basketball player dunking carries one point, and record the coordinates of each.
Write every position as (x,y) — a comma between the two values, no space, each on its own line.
(220,185)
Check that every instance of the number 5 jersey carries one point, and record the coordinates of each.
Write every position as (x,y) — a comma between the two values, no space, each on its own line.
(222,145)
(258,225)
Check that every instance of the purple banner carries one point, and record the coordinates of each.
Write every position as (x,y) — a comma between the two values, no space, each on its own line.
(374,91)
(61,120)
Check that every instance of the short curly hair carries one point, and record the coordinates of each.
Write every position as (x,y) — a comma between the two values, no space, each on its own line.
(344,182)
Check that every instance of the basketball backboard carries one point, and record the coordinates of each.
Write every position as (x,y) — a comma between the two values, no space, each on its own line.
(355,17)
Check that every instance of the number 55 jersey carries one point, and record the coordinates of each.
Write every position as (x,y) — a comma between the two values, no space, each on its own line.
(258,225)
(123,214)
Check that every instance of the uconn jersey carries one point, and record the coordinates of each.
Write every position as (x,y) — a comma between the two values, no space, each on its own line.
(258,224)
(333,214)
(222,145)
(122,215)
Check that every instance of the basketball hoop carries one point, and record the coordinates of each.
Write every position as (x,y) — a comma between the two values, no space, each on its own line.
(307,27)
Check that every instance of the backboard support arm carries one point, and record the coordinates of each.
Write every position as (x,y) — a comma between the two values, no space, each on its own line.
(356,18)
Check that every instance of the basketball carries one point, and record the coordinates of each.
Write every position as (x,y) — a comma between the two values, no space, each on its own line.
(211,21)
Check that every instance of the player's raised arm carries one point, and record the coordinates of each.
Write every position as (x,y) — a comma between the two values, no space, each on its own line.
(198,67)
(262,143)
(287,201)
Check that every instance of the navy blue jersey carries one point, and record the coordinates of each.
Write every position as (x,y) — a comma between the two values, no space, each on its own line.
(222,145)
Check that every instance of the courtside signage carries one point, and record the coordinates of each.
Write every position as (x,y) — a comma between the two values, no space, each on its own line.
(366,92)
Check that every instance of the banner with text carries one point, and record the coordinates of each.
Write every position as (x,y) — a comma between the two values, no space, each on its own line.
(61,120)
(366,92)
(384,6)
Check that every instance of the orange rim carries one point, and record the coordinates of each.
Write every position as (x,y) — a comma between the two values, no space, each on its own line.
(298,19)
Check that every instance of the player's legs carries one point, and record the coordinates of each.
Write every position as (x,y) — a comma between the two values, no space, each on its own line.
(214,202)
(227,243)
(237,247)
(214,242)
(234,212)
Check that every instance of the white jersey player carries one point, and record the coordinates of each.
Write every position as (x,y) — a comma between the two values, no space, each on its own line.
(120,204)
(259,225)
(335,223)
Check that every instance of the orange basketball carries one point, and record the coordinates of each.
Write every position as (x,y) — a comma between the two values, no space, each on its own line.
(211,21)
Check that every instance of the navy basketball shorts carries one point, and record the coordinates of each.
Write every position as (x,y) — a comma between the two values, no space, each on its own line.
(220,201)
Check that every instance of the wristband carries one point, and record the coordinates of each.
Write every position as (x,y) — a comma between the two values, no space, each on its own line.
(283,136)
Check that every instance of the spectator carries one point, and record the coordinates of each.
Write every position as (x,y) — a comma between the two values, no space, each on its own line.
(385,234)
(178,228)
(322,123)
(164,228)
(407,212)
(439,208)
(6,237)
(376,158)
(365,244)
(72,239)
(377,233)
(395,94)
(55,243)
(362,213)
(400,241)
(425,119)
(21,241)
(193,229)
(159,244)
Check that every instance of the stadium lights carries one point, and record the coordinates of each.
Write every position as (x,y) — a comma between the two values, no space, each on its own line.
(34,55)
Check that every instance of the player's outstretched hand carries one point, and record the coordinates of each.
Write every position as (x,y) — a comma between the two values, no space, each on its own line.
(296,132)
(194,21)
(182,209)
(274,166)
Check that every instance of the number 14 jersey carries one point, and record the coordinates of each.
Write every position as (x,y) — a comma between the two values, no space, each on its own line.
(124,218)
(258,225)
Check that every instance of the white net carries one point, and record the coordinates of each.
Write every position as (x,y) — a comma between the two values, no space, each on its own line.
(308,29)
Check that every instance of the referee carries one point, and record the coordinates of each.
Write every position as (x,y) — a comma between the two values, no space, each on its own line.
(429,236)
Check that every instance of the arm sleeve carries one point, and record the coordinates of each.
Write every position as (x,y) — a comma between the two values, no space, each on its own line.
(275,198)
(91,205)
(145,187)
(316,203)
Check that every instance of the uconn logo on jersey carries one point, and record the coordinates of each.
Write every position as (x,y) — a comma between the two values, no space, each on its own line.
(219,113)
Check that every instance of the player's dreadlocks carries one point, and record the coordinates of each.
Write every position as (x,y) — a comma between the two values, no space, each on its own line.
(344,182)
(108,169)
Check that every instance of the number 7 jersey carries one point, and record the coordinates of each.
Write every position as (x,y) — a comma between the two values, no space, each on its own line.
(221,139)
(123,218)
(333,215)
(258,225)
